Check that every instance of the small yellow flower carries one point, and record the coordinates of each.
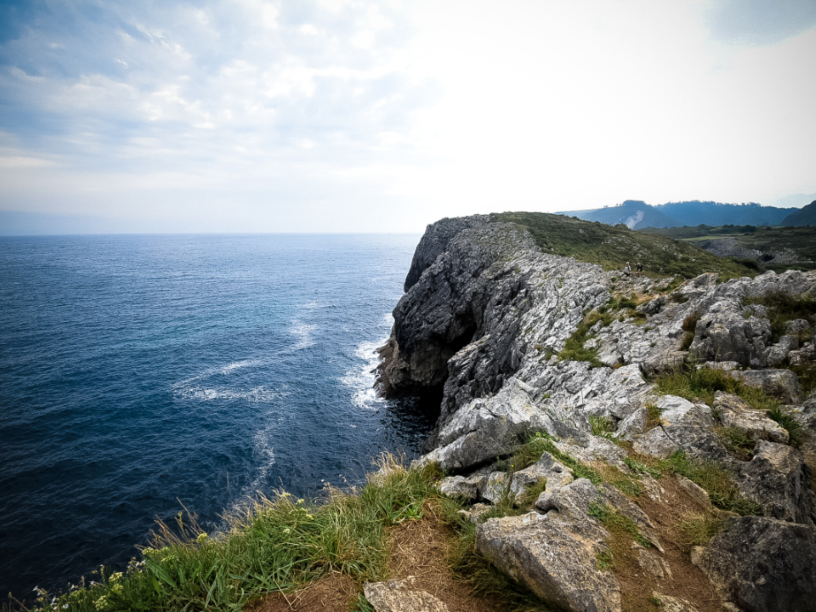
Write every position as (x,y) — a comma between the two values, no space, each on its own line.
(300,501)
(202,537)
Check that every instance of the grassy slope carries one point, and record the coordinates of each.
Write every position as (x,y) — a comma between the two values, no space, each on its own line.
(801,240)
(612,246)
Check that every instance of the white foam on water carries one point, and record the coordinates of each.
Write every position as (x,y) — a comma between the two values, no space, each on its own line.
(260,394)
(361,379)
(304,334)
(224,369)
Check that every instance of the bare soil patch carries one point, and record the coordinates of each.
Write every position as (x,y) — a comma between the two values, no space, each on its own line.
(686,581)
(420,549)
(333,593)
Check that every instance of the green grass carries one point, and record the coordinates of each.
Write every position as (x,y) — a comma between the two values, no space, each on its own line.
(783,308)
(698,530)
(275,545)
(801,240)
(701,383)
(788,422)
(614,521)
(612,246)
(714,479)
(739,442)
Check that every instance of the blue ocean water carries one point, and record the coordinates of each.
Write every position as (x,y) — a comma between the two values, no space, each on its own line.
(139,373)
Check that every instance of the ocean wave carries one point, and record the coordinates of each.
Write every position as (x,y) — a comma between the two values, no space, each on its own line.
(303,332)
(256,394)
(361,379)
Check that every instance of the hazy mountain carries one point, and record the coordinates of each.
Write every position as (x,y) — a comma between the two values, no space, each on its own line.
(714,213)
(632,213)
(803,216)
(638,215)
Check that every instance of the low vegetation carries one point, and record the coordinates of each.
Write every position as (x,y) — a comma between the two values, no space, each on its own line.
(800,240)
(783,308)
(612,246)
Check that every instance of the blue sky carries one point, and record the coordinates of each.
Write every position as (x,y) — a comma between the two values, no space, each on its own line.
(335,115)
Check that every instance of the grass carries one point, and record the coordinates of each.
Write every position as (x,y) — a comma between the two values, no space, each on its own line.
(714,479)
(616,522)
(700,384)
(652,416)
(612,246)
(689,327)
(275,545)
(699,529)
(783,308)
(801,240)
(486,580)
(739,442)
(574,349)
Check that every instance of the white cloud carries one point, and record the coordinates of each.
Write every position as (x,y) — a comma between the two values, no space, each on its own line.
(397,113)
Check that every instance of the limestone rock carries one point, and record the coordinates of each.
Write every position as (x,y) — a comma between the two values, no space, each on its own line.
(763,565)
(554,555)
(779,383)
(684,426)
(736,413)
(673,604)
(397,596)
(724,334)
(467,488)
(778,478)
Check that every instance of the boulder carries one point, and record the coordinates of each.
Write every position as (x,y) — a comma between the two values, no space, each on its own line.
(467,488)
(673,604)
(762,564)
(782,384)
(736,413)
(398,596)
(683,426)
(555,555)
(778,478)
(724,334)
(488,428)
(546,468)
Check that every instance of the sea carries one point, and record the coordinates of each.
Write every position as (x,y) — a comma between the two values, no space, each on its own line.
(144,375)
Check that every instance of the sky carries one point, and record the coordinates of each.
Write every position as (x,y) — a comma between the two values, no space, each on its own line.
(358,116)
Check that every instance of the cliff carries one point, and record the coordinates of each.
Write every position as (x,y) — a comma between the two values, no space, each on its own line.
(645,403)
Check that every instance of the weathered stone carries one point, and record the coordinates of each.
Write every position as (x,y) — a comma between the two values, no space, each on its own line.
(464,487)
(762,564)
(696,492)
(597,448)
(489,428)
(397,596)
(475,512)
(554,555)
(779,383)
(684,426)
(797,327)
(778,478)
(736,413)
(673,604)
(724,334)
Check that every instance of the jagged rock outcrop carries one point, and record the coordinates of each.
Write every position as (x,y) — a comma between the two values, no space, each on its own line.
(398,596)
(484,317)
(763,564)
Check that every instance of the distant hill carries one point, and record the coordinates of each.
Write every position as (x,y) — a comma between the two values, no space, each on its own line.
(638,215)
(804,216)
(714,213)
(632,213)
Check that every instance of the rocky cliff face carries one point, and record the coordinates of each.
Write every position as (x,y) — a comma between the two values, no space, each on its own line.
(484,318)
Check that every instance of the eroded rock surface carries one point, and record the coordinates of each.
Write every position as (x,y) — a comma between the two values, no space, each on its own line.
(484,318)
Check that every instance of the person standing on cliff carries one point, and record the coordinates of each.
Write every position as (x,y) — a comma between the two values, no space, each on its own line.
(627,271)
(639,268)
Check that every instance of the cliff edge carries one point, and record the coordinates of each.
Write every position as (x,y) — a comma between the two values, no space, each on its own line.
(649,403)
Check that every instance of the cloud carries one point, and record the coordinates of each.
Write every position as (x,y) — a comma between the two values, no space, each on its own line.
(760,22)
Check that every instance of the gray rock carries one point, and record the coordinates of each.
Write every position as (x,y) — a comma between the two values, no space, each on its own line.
(673,604)
(467,488)
(475,512)
(763,565)
(554,555)
(736,413)
(782,384)
(778,478)
(397,596)
(724,334)
(684,426)
(796,327)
